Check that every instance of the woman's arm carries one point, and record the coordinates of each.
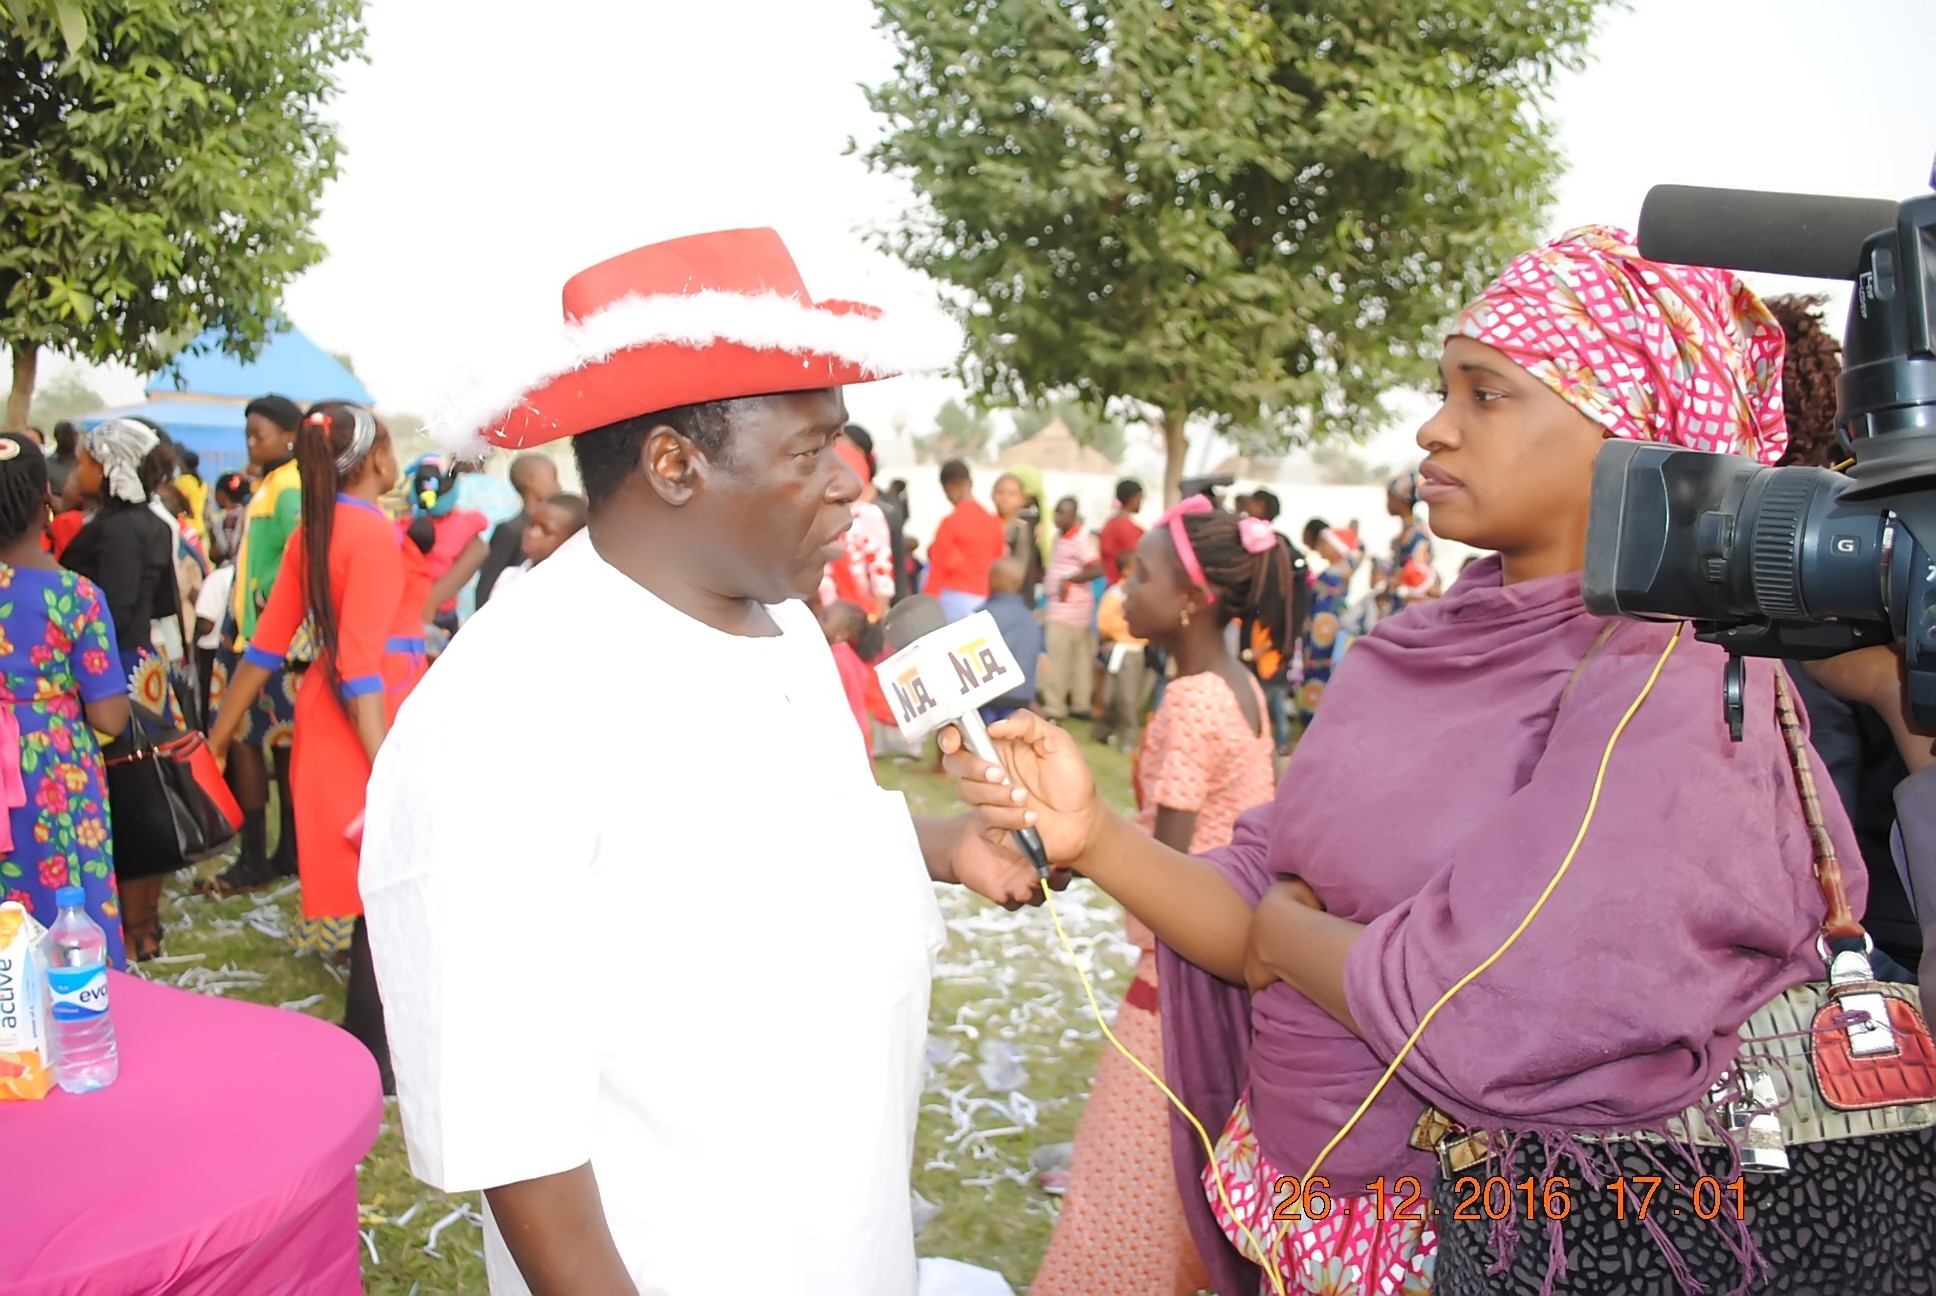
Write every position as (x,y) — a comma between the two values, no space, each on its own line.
(1187,902)
(461,570)
(1293,940)
(281,617)
(97,664)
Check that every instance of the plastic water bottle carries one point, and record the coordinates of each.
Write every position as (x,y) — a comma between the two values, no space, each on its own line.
(84,1056)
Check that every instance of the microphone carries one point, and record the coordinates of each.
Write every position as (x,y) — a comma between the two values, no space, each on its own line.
(943,673)
(1811,236)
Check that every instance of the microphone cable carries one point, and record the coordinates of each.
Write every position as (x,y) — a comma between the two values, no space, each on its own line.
(1223,1193)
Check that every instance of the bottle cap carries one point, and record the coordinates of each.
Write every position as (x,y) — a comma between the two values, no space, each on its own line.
(70,897)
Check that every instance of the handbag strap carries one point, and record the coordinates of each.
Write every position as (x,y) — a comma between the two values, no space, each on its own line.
(1840,922)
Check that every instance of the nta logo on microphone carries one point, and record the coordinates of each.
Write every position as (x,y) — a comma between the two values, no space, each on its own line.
(969,659)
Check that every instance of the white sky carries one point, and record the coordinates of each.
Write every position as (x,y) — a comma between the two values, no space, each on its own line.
(489,156)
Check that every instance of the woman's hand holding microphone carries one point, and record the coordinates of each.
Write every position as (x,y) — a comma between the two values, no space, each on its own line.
(1046,785)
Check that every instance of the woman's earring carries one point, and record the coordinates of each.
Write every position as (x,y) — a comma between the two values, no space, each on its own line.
(1186,618)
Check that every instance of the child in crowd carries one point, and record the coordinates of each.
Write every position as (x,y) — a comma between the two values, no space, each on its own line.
(916,569)
(1126,682)
(211,605)
(1015,618)
(1074,562)
(553,522)
(845,625)
(1324,636)
(230,508)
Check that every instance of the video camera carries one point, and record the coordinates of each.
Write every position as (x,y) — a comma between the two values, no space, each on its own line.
(1793,562)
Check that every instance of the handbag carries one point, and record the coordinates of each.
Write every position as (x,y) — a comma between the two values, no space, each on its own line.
(165,792)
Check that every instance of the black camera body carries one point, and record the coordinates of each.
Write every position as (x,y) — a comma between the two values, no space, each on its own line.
(1793,562)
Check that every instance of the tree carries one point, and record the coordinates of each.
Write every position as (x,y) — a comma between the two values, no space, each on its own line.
(161,164)
(960,432)
(1254,213)
(63,398)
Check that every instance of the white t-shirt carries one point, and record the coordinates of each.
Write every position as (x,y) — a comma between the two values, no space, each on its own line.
(635,899)
(212,604)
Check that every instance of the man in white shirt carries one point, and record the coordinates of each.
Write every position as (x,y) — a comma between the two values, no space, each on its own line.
(655,950)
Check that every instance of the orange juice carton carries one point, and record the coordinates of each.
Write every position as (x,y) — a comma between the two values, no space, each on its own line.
(26,1032)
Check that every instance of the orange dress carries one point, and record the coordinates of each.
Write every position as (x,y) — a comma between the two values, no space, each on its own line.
(378,584)
(1122,1228)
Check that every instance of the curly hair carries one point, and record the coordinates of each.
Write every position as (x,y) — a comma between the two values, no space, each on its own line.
(1811,364)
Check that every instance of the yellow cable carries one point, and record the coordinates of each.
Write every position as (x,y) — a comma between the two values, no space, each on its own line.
(1592,806)
(1269,1267)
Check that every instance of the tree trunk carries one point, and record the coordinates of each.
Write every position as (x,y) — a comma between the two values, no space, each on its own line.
(1176,445)
(26,362)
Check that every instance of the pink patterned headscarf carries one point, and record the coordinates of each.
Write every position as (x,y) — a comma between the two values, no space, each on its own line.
(1649,351)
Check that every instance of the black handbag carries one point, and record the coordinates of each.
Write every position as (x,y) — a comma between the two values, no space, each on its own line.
(168,805)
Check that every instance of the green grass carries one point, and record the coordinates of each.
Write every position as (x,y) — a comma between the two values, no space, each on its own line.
(1003,980)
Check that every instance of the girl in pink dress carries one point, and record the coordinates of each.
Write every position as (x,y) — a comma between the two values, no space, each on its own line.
(1204,761)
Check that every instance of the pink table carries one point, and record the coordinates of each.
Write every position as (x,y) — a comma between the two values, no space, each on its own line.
(222,1162)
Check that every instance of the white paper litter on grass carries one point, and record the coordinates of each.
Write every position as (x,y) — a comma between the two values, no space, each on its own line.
(430,1243)
(302,1005)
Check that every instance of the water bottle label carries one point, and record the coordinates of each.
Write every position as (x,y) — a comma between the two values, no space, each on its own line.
(80,993)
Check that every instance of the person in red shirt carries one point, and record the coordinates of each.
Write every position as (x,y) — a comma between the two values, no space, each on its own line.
(1121,533)
(965,546)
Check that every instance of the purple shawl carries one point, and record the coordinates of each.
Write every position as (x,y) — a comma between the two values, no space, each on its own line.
(1432,802)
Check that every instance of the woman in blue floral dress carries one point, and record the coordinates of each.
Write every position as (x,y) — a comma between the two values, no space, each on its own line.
(62,680)
(1324,637)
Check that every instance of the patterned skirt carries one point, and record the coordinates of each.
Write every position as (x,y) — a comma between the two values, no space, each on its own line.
(1349,1251)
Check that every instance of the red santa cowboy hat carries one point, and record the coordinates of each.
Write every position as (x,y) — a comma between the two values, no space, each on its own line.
(703,318)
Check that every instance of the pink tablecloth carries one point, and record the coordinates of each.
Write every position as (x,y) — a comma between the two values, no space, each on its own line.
(222,1162)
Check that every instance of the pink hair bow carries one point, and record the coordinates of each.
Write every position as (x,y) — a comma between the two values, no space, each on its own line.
(1257,535)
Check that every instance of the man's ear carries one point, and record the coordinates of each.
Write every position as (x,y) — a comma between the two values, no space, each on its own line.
(674,466)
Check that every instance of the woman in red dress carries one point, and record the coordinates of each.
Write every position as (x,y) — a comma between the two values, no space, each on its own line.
(360,588)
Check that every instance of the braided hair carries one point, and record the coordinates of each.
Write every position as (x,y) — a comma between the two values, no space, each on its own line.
(23,487)
(325,433)
(1266,591)
(1811,365)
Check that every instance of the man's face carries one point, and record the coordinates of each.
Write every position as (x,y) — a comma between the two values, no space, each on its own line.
(779,501)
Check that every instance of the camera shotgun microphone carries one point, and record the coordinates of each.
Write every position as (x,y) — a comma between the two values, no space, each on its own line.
(1810,236)
(943,673)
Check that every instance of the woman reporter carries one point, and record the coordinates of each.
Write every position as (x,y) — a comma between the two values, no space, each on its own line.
(1298,963)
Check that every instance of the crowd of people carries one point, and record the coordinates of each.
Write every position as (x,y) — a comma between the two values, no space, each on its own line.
(277,612)
(1432,886)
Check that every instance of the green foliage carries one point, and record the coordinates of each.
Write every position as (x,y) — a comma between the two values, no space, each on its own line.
(63,398)
(1254,213)
(960,432)
(161,163)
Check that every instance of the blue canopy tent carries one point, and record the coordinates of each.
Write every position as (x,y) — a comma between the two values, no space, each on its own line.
(200,397)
